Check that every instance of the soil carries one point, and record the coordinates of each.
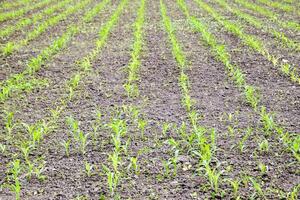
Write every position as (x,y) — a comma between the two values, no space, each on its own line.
(102,89)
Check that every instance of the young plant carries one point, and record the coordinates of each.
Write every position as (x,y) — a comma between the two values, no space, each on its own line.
(66,145)
(267,120)
(252,96)
(257,187)
(9,122)
(88,168)
(213,177)
(131,90)
(8,48)
(174,161)
(142,125)
(37,131)
(264,146)
(235,187)
(166,165)
(26,148)
(112,179)
(263,168)
(295,147)
(244,139)
(73,84)
(15,171)
(134,164)
(165,127)
(83,141)
(194,117)
(2,148)
(38,171)
(115,159)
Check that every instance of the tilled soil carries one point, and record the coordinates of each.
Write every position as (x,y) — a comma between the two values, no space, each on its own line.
(160,101)
(17,61)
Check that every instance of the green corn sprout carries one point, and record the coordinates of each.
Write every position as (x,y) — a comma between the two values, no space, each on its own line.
(134,164)
(252,96)
(2,148)
(263,168)
(165,127)
(213,177)
(83,141)
(235,187)
(257,187)
(142,125)
(66,145)
(166,165)
(264,146)
(115,159)
(112,179)
(88,168)
(15,171)
(267,120)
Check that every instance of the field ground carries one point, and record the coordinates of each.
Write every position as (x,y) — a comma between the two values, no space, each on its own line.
(140,99)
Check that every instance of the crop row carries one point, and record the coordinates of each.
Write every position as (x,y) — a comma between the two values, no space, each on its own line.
(279,5)
(10,47)
(20,12)
(259,24)
(8,5)
(19,82)
(134,65)
(219,51)
(22,23)
(38,130)
(251,93)
(251,41)
(199,142)
(119,129)
(269,14)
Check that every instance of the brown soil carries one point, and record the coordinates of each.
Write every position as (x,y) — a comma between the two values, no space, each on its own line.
(159,101)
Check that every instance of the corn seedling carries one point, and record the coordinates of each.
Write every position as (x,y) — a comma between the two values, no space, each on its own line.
(88,168)
(38,171)
(264,146)
(165,127)
(244,139)
(83,141)
(9,122)
(166,165)
(112,179)
(115,160)
(267,120)
(66,145)
(235,184)
(134,165)
(257,187)
(252,96)
(174,161)
(142,126)
(296,147)
(26,149)
(2,148)
(213,177)
(36,131)
(263,168)
(15,171)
